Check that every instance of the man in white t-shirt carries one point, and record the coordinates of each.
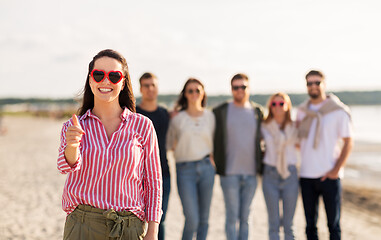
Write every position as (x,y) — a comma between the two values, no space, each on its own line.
(325,130)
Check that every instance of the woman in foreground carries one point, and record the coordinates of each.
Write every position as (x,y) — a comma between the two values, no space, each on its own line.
(111,158)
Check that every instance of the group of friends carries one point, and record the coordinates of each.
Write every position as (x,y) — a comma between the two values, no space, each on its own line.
(115,156)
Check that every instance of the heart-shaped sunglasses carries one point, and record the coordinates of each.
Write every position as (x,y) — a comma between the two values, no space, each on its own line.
(277,103)
(100,75)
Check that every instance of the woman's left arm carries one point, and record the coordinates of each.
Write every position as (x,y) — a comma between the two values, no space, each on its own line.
(152,231)
(152,177)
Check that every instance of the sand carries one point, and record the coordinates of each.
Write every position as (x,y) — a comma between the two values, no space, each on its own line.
(31,188)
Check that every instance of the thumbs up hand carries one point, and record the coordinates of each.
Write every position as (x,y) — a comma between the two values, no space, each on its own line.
(74,133)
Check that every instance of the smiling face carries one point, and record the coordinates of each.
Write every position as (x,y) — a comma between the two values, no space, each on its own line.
(149,89)
(316,87)
(240,90)
(278,107)
(194,93)
(105,91)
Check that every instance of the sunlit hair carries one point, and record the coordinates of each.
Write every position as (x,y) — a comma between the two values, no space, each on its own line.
(126,96)
(315,73)
(182,102)
(270,115)
(239,76)
(146,75)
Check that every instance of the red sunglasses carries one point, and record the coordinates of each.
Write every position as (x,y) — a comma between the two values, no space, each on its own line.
(277,103)
(100,75)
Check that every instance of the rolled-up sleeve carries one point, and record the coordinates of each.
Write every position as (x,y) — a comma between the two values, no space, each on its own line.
(153,178)
(62,164)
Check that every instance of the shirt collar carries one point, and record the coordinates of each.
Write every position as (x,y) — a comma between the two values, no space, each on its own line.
(124,116)
(87,114)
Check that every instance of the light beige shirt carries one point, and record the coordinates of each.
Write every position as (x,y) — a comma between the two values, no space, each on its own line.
(191,138)
(280,146)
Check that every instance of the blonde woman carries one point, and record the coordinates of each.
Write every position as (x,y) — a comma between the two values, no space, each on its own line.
(280,180)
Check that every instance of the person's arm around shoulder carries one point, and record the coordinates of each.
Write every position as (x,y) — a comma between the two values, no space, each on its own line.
(172,134)
(299,117)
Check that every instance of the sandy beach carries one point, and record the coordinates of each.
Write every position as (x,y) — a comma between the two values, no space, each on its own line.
(31,189)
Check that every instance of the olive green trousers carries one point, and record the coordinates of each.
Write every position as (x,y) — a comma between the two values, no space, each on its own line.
(87,222)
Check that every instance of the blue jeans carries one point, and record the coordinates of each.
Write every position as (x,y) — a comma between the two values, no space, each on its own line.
(166,191)
(195,182)
(276,189)
(238,192)
(330,190)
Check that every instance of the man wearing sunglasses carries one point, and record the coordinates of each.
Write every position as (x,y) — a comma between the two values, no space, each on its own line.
(160,119)
(325,130)
(237,155)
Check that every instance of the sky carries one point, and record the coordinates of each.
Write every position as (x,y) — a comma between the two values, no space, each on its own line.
(46,45)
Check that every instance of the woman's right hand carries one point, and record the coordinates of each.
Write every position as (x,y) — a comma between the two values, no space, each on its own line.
(74,133)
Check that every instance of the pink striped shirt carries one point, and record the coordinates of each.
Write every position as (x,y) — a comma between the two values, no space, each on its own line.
(110,173)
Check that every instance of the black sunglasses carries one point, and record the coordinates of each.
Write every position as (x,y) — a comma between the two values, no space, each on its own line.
(191,91)
(100,75)
(235,88)
(317,83)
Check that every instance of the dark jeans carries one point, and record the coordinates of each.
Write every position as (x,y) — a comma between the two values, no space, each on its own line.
(166,190)
(330,190)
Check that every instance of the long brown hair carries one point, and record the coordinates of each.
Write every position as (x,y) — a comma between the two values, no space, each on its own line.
(270,115)
(126,96)
(182,102)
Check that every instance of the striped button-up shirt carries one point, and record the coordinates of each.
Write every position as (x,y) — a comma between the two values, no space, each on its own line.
(110,173)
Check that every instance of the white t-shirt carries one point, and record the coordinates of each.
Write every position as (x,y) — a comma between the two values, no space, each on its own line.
(191,136)
(335,126)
